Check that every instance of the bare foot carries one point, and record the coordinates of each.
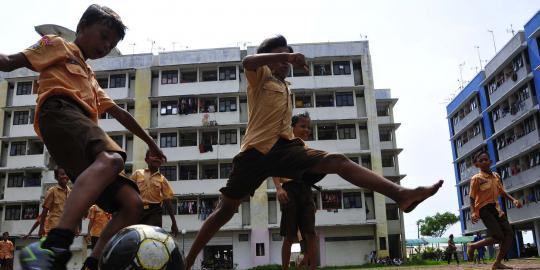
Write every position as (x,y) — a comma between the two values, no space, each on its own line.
(413,197)
(500,266)
(470,253)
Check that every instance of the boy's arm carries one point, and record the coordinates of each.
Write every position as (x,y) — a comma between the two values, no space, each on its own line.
(170,210)
(280,192)
(253,62)
(42,221)
(14,61)
(516,202)
(36,224)
(129,122)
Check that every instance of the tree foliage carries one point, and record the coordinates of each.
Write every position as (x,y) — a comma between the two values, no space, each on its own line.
(437,225)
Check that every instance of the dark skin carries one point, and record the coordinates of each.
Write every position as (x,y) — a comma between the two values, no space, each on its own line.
(96,41)
(153,166)
(484,163)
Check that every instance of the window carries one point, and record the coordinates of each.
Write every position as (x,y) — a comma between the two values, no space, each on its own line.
(15,180)
(30,211)
(18,149)
(331,199)
(382,243)
(227,73)
(321,69)
(119,140)
(187,207)
(347,131)
(169,172)
(324,100)
(366,162)
(32,180)
(388,161)
(13,212)
(208,105)
(326,132)
(24,88)
(354,159)
(385,135)
(20,118)
(352,200)
(209,137)
(209,171)
(259,249)
(208,75)
(188,172)
(300,72)
(169,107)
(225,170)
(188,139)
(188,105)
(188,76)
(344,99)
(244,237)
(303,101)
(342,68)
(103,82)
(118,81)
(383,110)
(392,212)
(168,140)
(227,104)
(169,77)
(272,209)
(228,136)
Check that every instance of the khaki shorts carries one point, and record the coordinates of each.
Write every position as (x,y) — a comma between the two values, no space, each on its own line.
(74,141)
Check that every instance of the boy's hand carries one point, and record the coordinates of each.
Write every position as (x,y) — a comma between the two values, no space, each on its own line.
(298,60)
(155,152)
(501,213)
(282,196)
(25,236)
(517,203)
(474,218)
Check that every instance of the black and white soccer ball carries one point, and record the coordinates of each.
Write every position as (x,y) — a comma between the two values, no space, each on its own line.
(142,247)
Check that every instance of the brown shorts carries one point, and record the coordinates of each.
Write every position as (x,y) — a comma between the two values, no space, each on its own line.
(287,158)
(152,215)
(497,227)
(299,212)
(74,141)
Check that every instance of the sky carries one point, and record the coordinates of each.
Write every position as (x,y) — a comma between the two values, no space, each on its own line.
(416,46)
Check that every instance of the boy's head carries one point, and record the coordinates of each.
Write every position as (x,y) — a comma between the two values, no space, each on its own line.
(277,44)
(451,236)
(5,235)
(152,162)
(60,175)
(481,160)
(98,31)
(301,125)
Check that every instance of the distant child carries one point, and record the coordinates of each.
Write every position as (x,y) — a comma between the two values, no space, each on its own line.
(6,252)
(479,253)
(53,205)
(451,250)
(68,105)
(97,220)
(269,148)
(485,188)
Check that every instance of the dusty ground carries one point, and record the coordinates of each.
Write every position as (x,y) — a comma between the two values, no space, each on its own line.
(516,264)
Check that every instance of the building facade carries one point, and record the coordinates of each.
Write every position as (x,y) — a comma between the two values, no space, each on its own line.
(194,105)
(498,112)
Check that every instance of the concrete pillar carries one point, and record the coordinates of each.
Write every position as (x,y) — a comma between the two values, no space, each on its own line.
(322,248)
(143,85)
(259,226)
(537,235)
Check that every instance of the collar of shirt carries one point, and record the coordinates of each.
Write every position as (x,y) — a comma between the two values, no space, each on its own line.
(147,171)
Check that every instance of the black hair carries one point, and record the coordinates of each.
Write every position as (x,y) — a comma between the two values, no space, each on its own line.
(56,169)
(451,236)
(297,118)
(102,14)
(477,155)
(274,42)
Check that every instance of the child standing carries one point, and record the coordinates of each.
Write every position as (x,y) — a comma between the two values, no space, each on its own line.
(53,205)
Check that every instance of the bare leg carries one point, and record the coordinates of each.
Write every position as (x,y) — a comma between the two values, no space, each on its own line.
(224,212)
(357,175)
(129,214)
(286,253)
(90,183)
(503,250)
(482,243)
(312,251)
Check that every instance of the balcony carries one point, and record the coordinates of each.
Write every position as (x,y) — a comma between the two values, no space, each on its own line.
(340,217)
(197,187)
(329,113)
(199,88)
(468,173)
(472,228)
(509,84)
(334,182)
(26,161)
(394,227)
(111,125)
(385,120)
(522,179)
(524,108)
(118,93)
(23,100)
(339,146)
(470,145)
(14,194)
(527,212)
(466,201)
(388,145)
(390,171)
(22,131)
(314,82)
(191,153)
(519,145)
(193,223)
(18,227)
(465,121)
(196,119)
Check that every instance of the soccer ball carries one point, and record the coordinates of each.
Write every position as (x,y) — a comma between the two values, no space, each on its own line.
(141,247)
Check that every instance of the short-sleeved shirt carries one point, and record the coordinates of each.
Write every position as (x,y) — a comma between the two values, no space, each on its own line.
(54,201)
(269,110)
(99,219)
(485,189)
(64,71)
(154,187)
(6,249)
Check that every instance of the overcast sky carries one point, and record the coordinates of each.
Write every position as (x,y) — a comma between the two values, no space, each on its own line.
(416,48)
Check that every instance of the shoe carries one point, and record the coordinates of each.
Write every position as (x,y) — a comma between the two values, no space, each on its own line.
(34,257)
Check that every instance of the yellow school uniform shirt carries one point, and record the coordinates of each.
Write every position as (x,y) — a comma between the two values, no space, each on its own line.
(99,219)
(54,201)
(485,188)
(154,187)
